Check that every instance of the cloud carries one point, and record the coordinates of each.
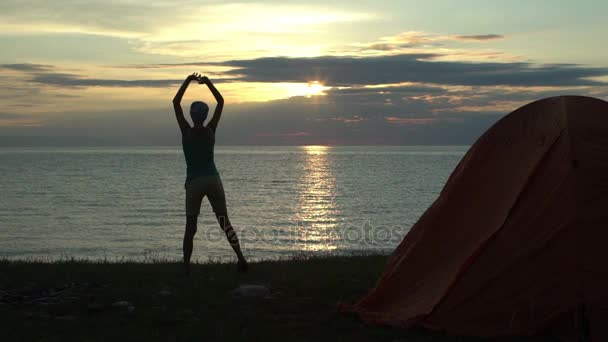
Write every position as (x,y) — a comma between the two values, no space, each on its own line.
(480,37)
(417,39)
(409,121)
(350,71)
(69,80)
(166,21)
(419,121)
(387,89)
(448,47)
(444,115)
(163,65)
(66,16)
(51,75)
(27,67)
(10,116)
(294,134)
(19,120)
(355,119)
(419,68)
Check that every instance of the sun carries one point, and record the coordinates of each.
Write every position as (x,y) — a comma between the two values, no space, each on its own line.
(315,88)
(312,88)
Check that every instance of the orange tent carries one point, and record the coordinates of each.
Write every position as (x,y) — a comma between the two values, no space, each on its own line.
(517,242)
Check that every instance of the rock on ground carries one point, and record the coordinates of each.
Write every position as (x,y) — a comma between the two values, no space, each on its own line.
(248,290)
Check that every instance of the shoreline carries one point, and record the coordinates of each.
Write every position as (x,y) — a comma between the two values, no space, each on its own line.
(200,260)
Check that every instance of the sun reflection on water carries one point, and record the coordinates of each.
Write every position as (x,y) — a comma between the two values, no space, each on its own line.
(316,206)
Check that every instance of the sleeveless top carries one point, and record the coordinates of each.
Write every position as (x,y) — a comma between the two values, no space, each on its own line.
(198,149)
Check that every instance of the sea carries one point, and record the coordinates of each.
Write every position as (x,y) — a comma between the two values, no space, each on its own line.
(127,203)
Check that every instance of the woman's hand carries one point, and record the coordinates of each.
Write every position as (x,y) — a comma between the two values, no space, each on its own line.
(194,77)
(180,93)
(203,80)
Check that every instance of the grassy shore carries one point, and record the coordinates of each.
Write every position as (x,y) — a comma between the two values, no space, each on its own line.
(73,301)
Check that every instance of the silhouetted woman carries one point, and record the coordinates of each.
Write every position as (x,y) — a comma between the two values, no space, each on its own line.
(203,178)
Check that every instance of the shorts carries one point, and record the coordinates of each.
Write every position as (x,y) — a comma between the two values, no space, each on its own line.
(199,187)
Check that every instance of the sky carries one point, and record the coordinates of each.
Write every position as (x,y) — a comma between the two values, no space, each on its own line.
(291,72)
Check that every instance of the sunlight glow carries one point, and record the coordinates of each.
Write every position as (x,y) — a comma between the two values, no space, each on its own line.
(316,149)
(314,88)
(317,208)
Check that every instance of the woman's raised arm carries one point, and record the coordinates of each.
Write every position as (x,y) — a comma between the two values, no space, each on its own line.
(177,100)
(220,102)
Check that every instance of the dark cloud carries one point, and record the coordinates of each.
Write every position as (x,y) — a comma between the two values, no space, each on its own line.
(425,112)
(382,47)
(48,74)
(480,37)
(441,119)
(418,68)
(27,67)
(292,134)
(162,65)
(403,90)
(70,80)
(350,123)
(402,96)
(6,116)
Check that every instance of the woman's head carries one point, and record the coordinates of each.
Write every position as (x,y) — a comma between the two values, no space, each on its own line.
(198,112)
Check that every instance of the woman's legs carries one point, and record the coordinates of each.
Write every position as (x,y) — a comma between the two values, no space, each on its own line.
(194,197)
(226,226)
(189,240)
(217,199)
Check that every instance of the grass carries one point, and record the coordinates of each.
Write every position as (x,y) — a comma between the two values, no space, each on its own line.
(199,307)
